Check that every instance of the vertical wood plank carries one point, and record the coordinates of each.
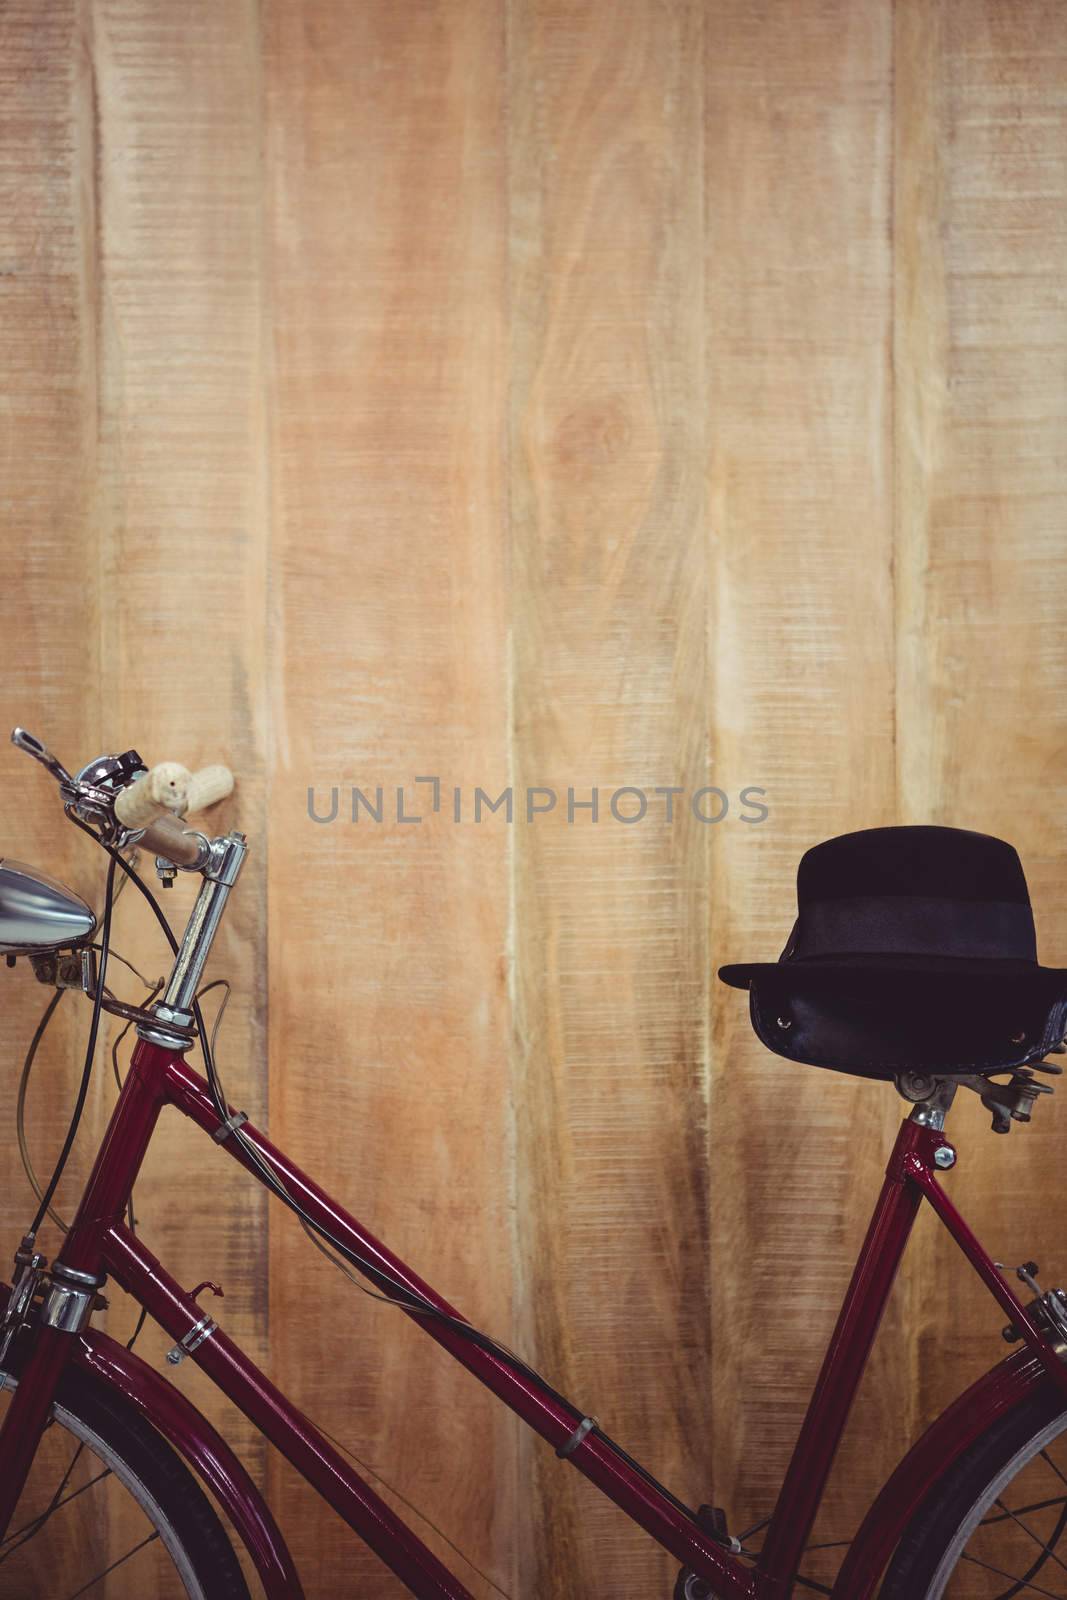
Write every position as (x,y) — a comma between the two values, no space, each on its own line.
(48,600)
(49,594)
(389,1006)
(180,538)
(140,608)
(798,320)
(609,621)
(982,487)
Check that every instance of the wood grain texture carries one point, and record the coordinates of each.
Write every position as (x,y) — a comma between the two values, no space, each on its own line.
(561,395)
(143,622)
(797,350)
(981,346)
(49,597)
(609,574)
(180,501)
(48,601)
(389,1042)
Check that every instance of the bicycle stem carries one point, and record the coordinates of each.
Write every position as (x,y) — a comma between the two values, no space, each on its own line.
(173,1027)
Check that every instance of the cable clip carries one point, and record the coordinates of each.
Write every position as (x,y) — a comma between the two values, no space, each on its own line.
(569,1446)
(192,1341)
(231,1125)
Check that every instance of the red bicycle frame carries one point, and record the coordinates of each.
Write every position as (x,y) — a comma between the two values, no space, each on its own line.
(99,1242)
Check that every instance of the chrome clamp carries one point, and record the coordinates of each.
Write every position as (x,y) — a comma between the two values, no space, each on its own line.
(193,1340)
(168,1026)
(569,1446)
(226,1129)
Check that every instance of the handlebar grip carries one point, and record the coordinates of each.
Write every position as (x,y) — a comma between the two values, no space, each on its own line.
(168,837)
(208,786)
(164,789)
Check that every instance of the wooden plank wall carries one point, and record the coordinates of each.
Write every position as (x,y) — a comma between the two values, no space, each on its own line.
(135,483)
(982,559)
(799,272)
(389,1018)
(564,396)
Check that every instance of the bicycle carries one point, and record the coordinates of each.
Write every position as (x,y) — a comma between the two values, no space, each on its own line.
(926,1534)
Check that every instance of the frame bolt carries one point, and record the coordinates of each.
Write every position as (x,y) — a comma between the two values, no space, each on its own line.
(944,1156)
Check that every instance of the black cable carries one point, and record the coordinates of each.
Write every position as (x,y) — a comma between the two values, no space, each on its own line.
(20,1103)
(90,1053)
(440,1532)
(131,1218)
(27,1069)
(408,1299)
(120,861)
(135,1335)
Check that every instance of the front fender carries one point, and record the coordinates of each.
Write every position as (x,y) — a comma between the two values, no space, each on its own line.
(193,1437)
(928,1459)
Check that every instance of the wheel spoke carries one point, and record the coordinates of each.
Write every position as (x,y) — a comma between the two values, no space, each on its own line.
(33,1528)
(87,1586)
(1049,1553)
(999,1572)
(813,1584)
(30,1530)
(1035,1505)
(1001,1467)
(150,1497)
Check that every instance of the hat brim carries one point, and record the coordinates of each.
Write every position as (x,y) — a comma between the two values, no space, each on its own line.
(1048,982)
(877,1020)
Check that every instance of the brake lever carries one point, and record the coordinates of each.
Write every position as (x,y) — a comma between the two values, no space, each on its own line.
(33,747)
(90,794)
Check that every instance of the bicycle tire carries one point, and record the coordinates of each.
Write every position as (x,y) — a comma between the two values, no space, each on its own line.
(102,1419)
(934,1546)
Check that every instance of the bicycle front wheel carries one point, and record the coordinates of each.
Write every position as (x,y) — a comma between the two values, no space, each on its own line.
(110,1508)
(995,1526)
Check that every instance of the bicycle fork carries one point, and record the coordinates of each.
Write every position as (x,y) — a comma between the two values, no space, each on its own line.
(74,1280)
(77,1275)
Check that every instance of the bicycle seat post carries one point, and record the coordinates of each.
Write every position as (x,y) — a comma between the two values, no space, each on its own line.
(931,1097)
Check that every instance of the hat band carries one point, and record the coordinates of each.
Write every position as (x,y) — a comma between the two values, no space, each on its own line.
(914,925)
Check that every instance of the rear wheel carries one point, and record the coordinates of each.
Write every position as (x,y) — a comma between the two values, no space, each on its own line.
(996,1524)
(107,1492)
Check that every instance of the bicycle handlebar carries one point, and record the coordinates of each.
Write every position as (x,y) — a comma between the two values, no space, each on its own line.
(159,800)
(169,790)
(165,788)
(208,786)
(169,838)
(153,804)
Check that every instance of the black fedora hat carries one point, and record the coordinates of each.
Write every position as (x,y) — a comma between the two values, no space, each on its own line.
(913,949)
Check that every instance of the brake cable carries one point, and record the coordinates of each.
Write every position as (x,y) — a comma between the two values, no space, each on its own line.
(30,1059)
(90,1054)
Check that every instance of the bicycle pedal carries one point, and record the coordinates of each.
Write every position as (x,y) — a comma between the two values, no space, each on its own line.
(690,1587)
